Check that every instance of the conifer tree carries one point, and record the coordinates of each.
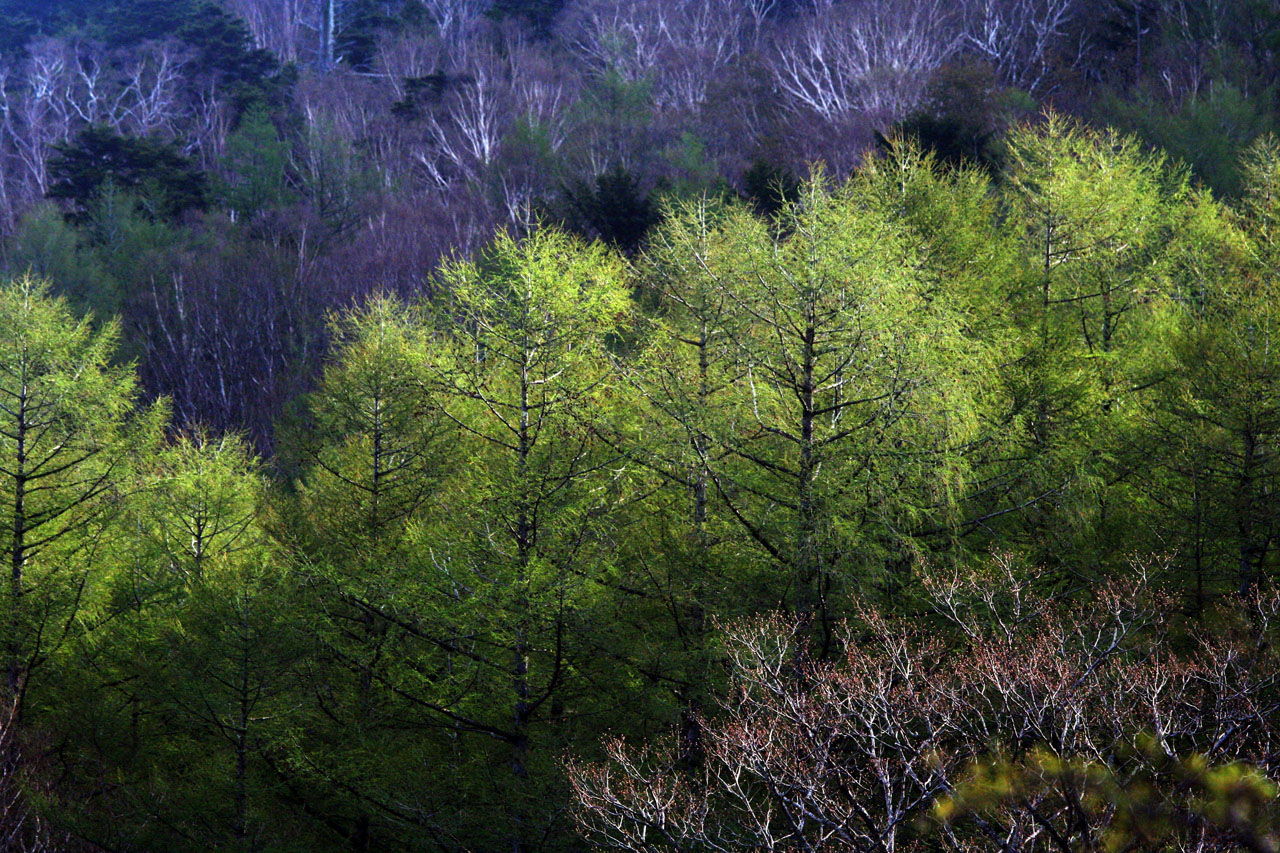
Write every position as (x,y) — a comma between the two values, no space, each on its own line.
(1093,213)
(523,370)
(850,394)
(70,429)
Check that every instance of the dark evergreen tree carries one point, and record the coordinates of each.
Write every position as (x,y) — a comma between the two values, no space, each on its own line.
(768,188)
(613,208)
(167,184)
(540,15)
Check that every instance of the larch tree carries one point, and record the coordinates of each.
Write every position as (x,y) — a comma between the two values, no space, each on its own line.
(523,539)
(684,376)
(1177,486)
(455,509)
(187,687)
(375,438)
(1092,208)
(1093,213)
(70,429)
(372,450)
(965,257)
(1219,401)
(226,690)
(855,385)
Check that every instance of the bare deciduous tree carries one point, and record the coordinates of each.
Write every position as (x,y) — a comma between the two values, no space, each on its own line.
(149,102)
(454,19)
(852,754)
(39,117)
(467,136)
(62,86)
(872,59)
(678,46)
(288,28)
(1018,37)
(409,56)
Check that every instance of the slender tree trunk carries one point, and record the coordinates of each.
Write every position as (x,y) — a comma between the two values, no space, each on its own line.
(242,758)
(691,750)
(244,713)
(11,758)
(1042,403)
(329,36)
(18,554)
(699,440)
(1197,504)
(808,586)
(520,649)
(1250,550)
(375,485)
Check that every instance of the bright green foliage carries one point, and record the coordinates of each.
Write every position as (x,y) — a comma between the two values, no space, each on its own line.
(1228,388)
(455,512)
(1093,208)
(377,438)
(226,689)
(523,537)
(69,426)
(850,392)
(512,515)
(817,391)
(375,452)
(1180,504)
(203,503)
(689,369)
(1093,213)
(683,558)
(186,690)
(1218,409)
(976,265)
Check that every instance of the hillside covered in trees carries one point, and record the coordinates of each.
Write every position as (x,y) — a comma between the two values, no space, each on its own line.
(694,425)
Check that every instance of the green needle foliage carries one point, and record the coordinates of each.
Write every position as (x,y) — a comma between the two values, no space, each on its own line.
(513,519)
(69,426)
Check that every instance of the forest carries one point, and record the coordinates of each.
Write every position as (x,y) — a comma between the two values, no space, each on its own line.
(651,425)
